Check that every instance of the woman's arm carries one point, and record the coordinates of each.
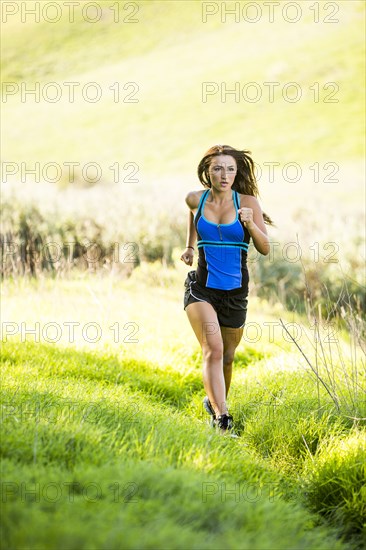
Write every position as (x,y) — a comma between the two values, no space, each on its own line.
(252,217)
(188,254)
(191,230)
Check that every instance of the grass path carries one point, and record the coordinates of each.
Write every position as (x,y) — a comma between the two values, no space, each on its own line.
(112,442)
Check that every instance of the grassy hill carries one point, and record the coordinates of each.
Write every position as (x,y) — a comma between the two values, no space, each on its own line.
(169,53)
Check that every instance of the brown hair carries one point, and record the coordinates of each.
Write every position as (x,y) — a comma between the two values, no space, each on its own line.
(244,182)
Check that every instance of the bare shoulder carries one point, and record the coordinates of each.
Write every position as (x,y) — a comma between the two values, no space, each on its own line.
(193,198)
(249,201)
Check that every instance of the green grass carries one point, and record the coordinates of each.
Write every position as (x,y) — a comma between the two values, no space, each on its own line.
(131,416)
(119,428)
(335,481)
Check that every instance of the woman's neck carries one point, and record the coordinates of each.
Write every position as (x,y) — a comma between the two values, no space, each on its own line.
(218,197)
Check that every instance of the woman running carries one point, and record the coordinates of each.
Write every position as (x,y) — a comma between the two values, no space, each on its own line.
(223,218)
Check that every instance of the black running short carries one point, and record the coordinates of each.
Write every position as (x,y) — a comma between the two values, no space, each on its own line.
(231,309)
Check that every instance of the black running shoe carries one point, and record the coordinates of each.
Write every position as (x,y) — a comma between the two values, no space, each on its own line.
(224,422)
(210,410)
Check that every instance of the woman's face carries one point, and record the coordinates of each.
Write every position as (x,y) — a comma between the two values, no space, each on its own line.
(222,171)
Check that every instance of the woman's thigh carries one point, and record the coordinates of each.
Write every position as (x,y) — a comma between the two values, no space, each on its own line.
(203,319)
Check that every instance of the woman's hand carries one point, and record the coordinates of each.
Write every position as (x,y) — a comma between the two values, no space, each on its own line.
(187,256)
(246,216)
(257,229)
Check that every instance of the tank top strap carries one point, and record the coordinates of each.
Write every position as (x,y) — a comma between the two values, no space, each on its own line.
(202,200)
(236,200)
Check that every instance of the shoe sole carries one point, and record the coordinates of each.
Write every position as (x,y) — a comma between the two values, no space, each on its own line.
(208,407)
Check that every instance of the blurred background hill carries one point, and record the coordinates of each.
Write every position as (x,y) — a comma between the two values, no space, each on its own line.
(153,121)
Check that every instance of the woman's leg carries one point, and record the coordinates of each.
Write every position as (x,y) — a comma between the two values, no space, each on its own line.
(203,319)
(231,339)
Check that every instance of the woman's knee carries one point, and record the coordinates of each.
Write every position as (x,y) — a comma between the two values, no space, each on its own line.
(228,356)
(213,352)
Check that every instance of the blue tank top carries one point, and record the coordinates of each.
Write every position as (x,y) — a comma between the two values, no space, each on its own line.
(222,250)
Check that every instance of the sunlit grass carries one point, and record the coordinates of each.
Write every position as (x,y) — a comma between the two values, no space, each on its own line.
(79,412)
